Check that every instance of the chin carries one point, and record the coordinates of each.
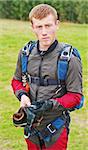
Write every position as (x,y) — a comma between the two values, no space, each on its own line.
(47,43)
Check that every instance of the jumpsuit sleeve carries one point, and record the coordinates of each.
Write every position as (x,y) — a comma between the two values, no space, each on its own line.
(16,82)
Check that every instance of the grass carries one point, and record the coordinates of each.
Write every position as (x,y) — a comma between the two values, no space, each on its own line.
(13,35)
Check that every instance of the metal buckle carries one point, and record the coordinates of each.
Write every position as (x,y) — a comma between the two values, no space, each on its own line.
(50,128)
(27,136)
(25,50)
(36,80)
(66,53)
(29,78)
(45,82)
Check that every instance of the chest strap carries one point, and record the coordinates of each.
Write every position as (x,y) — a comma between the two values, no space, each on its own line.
(41,81)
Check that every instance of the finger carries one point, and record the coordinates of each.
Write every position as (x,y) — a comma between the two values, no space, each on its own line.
(22,105)
(28,104)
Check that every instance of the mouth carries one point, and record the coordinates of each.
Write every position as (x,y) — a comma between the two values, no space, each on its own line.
(45,38)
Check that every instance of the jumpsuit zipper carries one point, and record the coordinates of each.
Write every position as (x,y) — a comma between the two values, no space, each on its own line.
(39,75)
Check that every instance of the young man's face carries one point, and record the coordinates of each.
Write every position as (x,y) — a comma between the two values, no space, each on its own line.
(45,30)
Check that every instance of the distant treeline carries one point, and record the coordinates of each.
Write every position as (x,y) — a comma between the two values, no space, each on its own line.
(69,10)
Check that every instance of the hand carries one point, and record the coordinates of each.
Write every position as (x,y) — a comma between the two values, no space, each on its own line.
(25,101)
(39,108)
(57,105)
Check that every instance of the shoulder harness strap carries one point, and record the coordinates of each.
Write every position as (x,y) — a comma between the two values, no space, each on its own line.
(63,63)
(64,58)
(26,50)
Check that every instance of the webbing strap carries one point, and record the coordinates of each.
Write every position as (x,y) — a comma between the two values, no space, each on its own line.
(62,69)
(25,54)
(63,61)
(42,82)
(24,61)
(52,128)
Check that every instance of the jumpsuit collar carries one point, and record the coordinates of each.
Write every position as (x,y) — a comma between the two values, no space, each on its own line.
(50,49)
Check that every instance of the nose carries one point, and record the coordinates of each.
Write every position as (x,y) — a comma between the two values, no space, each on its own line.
(44,31)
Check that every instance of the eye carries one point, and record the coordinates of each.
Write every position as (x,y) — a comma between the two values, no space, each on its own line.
(39,27)
(48,25)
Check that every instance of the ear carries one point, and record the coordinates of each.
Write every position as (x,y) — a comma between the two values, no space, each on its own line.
(58,24)
(32,27)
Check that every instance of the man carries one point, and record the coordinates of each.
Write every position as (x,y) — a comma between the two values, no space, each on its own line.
(44,83)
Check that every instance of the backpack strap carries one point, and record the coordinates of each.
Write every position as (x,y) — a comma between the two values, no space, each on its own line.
(26,50)
(63,64)
(63,61)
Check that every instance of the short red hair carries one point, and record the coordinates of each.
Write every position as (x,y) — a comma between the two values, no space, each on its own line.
(41,11)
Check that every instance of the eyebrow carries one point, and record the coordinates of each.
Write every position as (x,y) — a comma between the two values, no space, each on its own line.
(44,24)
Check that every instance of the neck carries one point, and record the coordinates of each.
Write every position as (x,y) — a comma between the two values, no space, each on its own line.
(44,47)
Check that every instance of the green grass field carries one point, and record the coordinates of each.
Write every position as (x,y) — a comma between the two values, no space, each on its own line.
(13,36)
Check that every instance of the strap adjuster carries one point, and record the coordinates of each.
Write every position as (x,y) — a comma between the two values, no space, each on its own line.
(36,80)
(44,82)
(51,128)
(66,53)
(29,78)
